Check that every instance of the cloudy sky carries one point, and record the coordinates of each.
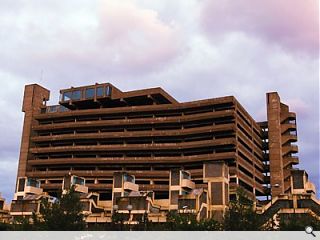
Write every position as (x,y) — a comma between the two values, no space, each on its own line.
(194,49)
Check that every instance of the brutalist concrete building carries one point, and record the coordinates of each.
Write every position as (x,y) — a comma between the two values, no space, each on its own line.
(143,153)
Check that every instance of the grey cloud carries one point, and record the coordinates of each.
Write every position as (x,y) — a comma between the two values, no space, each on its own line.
(66,46)
(293,24)
(8,171)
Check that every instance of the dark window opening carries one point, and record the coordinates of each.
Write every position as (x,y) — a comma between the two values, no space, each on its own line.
(105,196)
(105,181)
(137,168)
(244,144)
(112,168)
(167,127)
(189,167)
(161,195)
(244,118)
(55,181)
(198,181)
(142,182)
(167,140)
(63,120)
(138,154)
(112,129)
(87,118)
(233,197)
(59,169)
(84,168)
(111,154)
(62,132)
(233,180)
(244,132)
(112,117)
(21,185)
(245,171)
(246,186)
(62,143)
(198,110)
(168,114)
(225,148)
(244,157)
(161,182)
(224,134)
(54,194)
(86,143)
(85,156)
(139,141)
(167,154)
(198,124)
(223,106)
(198,151)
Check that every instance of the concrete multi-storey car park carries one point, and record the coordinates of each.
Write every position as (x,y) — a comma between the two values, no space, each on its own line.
(146,145)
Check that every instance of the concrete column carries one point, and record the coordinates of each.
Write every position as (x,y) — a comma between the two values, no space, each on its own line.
(275,146)
(33,100)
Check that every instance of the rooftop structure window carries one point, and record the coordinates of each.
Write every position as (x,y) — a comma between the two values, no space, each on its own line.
(63,109)
(52,109)
(66,96)
(100,92)
(76,95)
(56,108)
(89,93)
(108,91)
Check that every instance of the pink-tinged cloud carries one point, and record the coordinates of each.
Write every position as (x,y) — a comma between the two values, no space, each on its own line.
(136,37)
(292,24)
(110,38)
(299,106)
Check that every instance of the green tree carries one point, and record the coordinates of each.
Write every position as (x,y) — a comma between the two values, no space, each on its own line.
(209,225)
(297,222)
(118,220)
(64,215)
(181,221)
(188,222)
(241,215)
(5,227)
(22,223)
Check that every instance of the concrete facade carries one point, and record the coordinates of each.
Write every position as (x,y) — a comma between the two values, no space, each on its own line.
(201,150)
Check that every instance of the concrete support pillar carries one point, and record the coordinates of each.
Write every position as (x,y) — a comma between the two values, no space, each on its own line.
(34,98)
(216,174)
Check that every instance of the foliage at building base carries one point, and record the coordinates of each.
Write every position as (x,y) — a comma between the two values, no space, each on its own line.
(65,214)
(241,215)
(297,222)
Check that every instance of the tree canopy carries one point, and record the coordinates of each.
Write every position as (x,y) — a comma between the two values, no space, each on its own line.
(297,222)
(65,214)
(241,215)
